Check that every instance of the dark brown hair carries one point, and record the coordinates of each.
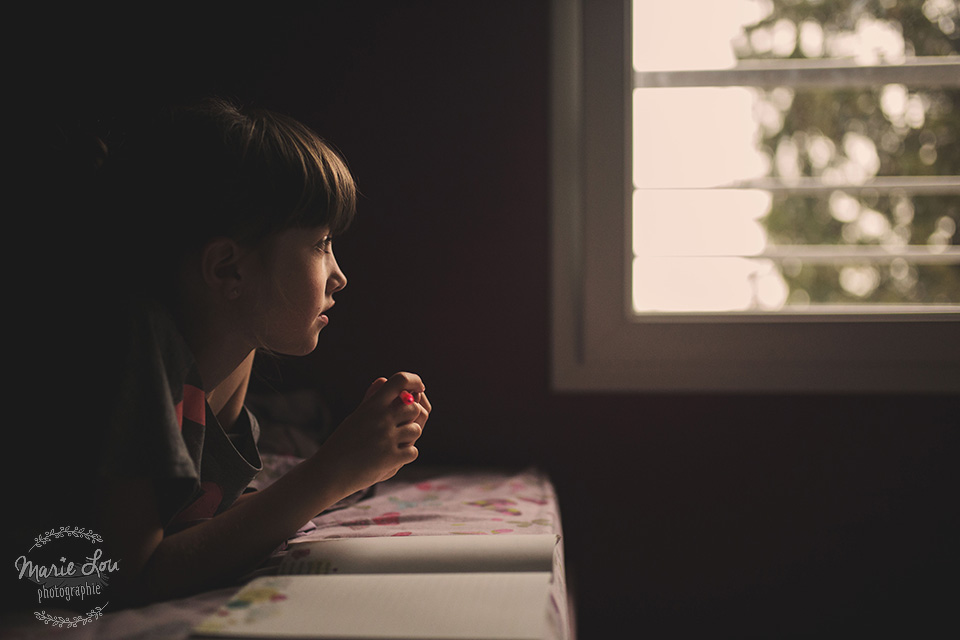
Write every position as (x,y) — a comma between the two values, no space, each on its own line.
(215,168)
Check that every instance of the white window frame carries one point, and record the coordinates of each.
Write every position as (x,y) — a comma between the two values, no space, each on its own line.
(599,344)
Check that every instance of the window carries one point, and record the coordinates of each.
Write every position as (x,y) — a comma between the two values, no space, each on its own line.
(794,267)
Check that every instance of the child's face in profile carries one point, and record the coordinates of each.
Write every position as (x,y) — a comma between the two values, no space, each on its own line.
(296,278)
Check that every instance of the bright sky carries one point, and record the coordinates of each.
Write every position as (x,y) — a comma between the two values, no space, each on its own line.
(692,248)
(678,144)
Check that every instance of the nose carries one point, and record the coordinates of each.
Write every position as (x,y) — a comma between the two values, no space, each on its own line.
(337,280)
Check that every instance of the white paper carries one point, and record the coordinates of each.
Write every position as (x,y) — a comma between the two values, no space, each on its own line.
(422,554)
(450,606)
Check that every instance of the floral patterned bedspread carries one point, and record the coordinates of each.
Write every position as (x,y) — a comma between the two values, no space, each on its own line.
(437,502)
(416,502)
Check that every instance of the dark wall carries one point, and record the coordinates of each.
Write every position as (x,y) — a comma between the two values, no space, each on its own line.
(712,514)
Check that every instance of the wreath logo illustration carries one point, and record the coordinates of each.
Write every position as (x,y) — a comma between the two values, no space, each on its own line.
(74,532)
(66,580)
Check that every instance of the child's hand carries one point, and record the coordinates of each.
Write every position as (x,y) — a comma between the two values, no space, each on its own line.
(377,439)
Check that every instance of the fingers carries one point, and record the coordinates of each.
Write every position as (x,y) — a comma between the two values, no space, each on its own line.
(407,454)
(408,433)
(404,394)
(415,411)
(425,409)
(373,388)
(389,391)
(406,391)
(411,454)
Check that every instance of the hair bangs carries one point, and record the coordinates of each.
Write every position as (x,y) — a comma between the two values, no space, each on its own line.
(307,177)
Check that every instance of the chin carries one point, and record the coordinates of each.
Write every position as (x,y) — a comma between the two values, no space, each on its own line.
(298,349)
(304,351)
(310,346)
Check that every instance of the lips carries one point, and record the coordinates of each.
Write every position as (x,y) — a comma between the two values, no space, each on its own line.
(323,314)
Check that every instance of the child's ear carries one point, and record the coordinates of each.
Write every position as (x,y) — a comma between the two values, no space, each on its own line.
(220,265)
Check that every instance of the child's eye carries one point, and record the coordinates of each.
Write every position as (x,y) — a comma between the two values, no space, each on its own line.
(325,245)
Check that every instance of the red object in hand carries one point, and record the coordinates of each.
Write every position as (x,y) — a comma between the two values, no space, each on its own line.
(406,397)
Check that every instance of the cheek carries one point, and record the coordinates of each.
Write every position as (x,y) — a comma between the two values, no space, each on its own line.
(295,280)
(305,292)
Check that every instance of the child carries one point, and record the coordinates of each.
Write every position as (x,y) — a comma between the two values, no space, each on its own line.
(231,212)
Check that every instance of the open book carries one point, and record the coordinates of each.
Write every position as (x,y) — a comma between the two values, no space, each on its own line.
(431,587)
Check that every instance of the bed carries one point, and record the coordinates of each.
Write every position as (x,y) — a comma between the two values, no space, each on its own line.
(419,501)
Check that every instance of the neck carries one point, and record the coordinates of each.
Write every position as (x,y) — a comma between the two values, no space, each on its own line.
(218,360)
(217,348)
(224,363)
